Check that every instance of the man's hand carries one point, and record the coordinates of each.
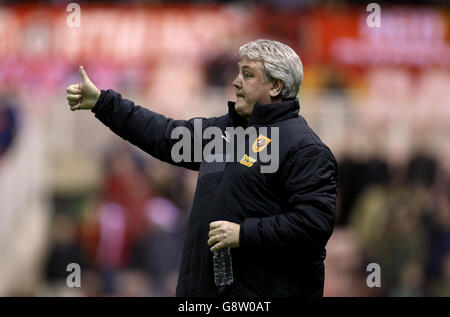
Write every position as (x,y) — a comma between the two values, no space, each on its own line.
(223,234)
(82,95)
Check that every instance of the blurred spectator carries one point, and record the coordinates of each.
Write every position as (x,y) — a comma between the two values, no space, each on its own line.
(126,184)
(355,174)
(422,169)
(369,217)
(220,69)
(134,283)
(404,242)
(9,123)
(437,222)
(159,252)
(410,283)
(63,250)
(111,249)
(344,266)
(440,286)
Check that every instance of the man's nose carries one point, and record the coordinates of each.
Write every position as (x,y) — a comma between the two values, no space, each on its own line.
(237,83)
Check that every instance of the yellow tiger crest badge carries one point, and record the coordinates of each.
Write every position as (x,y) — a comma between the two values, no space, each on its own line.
(260,143)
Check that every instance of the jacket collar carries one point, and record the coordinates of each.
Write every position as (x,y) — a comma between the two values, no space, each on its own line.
(265,113)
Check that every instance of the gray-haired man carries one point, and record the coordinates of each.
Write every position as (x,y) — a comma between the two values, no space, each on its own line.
(277,224)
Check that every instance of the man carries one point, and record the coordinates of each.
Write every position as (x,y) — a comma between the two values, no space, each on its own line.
(278,223)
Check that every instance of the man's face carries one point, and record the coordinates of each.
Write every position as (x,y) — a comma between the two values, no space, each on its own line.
(251,86)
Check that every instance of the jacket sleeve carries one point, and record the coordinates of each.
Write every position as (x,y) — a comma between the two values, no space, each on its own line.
(309,179)
(146,129)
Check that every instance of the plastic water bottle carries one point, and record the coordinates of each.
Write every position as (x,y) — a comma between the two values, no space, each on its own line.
(223,270)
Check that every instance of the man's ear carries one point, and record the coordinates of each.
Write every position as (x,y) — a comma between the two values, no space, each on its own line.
(277,86)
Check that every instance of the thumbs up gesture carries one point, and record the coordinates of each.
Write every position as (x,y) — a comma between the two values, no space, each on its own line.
(83,95)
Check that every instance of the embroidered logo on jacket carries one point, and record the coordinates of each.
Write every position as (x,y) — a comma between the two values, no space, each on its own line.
(260,143)
(247,160)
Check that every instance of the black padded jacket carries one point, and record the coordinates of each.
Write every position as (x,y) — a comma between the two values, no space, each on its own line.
(286,217)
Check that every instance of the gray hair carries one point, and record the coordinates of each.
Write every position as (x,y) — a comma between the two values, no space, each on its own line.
(280,62)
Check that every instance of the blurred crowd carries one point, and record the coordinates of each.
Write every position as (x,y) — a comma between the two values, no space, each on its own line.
(128,235)
(397,216)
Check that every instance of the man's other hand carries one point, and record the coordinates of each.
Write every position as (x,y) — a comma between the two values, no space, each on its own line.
(83,95)
(223,234)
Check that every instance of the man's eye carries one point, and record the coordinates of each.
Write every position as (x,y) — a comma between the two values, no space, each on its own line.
(246,75)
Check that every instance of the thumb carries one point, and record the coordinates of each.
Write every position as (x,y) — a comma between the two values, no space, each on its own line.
(83,75)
